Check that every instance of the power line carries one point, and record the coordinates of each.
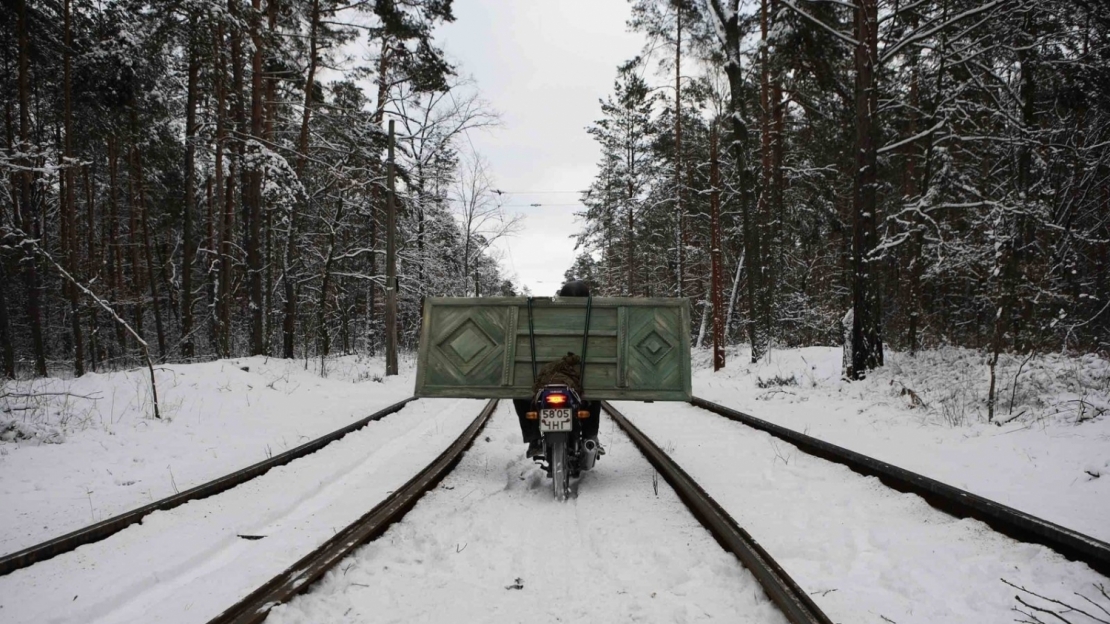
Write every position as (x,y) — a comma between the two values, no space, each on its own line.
(501,192)
(539,205)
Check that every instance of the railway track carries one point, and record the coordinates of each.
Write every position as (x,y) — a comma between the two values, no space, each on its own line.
(1012,522)
(792,601)
(188,563)
(110,526)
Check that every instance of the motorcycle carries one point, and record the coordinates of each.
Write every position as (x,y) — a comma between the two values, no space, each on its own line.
(566,453)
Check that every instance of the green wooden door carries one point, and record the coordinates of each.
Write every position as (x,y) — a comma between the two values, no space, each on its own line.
(639,349)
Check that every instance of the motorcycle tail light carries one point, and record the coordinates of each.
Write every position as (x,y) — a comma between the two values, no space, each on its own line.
(532,415)
(556,400)
(583,414)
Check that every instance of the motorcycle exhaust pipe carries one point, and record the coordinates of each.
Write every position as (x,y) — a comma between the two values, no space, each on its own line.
(589,454)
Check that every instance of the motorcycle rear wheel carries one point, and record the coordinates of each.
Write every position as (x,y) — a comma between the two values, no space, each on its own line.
(560,471)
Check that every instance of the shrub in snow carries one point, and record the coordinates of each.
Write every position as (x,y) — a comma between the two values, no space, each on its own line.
(12,430)
(947,385)
(776,381)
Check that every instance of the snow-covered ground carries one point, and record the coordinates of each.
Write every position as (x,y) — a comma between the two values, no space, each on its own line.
(190,563)
(1052,461)
(491,545)
(91,449)
(864,551)
(83,450)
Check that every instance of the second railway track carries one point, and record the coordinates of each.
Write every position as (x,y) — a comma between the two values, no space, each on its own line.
(864,551)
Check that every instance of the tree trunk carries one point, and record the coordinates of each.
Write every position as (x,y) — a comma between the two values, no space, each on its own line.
(777,204)
(115,254)
(271,102)
(680,214)
(630,247)
(134,244)
(7,348)
(155,300)
(235,169)
(7,345)
(704,321)
(93,263)
(190,247)
(289,318)
(252,193)
(325,281)
(715,254)
(223,208)
(70,206)
(211,272)
(867,345)
(375,192)
(27,201)
(734,71)
(766,181)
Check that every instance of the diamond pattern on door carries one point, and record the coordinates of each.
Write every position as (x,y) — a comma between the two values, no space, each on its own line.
(465,346)
(654,347)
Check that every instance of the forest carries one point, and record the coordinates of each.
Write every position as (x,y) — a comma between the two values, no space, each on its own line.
(901,173)
(188,180)
(192,179)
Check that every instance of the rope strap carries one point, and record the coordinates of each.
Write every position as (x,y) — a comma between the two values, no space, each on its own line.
(532,341)
(585,343)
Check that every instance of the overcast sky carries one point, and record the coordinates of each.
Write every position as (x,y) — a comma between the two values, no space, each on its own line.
(543,65)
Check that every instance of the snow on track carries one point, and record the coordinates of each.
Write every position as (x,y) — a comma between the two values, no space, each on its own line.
(864,551)
(217,418)
(490,544)
(189,564)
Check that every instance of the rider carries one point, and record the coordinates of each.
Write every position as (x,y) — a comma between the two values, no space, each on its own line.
(530,429)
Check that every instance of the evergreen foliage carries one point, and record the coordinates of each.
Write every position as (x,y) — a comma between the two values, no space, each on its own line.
(187,164)
(942,168)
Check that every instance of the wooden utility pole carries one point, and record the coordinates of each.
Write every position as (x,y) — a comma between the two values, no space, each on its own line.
(390,268)
(715,254)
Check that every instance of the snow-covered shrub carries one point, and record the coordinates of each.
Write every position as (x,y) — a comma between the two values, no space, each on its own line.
(775,381)
(12,430)
(947,385)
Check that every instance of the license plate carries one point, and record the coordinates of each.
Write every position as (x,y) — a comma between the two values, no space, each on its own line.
(555,420)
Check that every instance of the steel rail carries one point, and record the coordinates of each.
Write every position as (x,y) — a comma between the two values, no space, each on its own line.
(297,578)
(956,502)
(111,526)
(790,598)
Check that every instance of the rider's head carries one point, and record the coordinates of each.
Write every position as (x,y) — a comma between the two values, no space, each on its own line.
(574,288)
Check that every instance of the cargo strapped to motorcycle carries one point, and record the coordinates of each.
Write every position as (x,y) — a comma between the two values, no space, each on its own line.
(638,349)
(585,343)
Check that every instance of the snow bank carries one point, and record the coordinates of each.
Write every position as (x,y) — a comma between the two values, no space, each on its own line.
(77,451)
(927,413)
